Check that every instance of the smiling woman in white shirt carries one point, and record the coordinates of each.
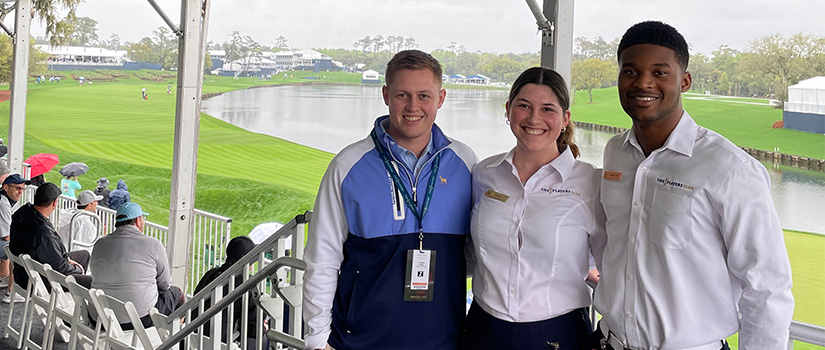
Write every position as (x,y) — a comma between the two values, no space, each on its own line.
(535,209)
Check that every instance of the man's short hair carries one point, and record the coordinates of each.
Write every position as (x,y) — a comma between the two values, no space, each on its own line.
(46,194)
(656,33)
(125,223)
(413,60)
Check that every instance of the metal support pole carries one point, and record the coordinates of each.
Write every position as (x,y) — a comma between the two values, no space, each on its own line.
(165,18)
(187,122)
(559,55)
(19,86)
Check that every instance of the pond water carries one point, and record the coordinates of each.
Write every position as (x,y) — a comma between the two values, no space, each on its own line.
(331,117)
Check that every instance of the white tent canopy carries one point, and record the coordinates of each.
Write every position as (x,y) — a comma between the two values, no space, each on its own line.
(807,97)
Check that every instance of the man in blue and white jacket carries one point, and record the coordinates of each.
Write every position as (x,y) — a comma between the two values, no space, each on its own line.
(387,204)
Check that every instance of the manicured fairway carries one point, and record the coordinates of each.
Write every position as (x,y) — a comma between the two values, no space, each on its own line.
(744,124)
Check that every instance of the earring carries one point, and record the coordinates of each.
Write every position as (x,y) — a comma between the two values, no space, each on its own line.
(507,121)
(564,130)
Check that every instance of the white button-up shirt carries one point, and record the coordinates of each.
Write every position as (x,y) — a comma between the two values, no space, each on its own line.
(692,239)
(532,246)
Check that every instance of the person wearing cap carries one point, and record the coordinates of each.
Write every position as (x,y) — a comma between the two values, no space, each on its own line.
(13,187)
(133,267)
(83,229)
(32,233)
(103,191)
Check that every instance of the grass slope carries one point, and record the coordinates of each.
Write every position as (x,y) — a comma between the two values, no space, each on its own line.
(249,177)
(744,124)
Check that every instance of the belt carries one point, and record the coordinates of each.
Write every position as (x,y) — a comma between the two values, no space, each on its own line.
(617,344)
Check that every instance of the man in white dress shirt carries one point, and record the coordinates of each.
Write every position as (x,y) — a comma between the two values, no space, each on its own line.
(693,238)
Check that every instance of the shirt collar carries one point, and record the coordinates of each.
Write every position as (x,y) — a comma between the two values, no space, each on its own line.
(381,129)
(563,164)
(681,139)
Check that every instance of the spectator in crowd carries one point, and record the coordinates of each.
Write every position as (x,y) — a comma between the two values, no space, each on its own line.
(131,266)
(82,228)
(235,250)
(3,148)
(32,233)
(13,187)
(119,196)
(103,191)
(38,180)
(4,171)
(69,185)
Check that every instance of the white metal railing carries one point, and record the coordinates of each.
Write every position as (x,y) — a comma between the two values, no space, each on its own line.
(207,244)
(806,333)
(208,236)
(285,284)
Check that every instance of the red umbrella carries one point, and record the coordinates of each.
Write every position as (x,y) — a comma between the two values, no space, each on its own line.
(41,163)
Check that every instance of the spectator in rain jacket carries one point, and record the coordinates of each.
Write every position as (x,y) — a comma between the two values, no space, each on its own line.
(119,195)
(103,191)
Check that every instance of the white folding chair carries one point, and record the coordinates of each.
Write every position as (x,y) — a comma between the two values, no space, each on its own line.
(41,304)
(81,323)
(22,290)
(64,307)
(138,338)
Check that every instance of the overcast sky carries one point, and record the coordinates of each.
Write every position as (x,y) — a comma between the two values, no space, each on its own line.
(485,25)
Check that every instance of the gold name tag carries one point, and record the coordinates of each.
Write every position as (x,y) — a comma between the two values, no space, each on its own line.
(612,175)
(497,196)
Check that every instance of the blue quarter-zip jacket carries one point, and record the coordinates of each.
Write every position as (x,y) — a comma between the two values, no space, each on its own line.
(356,253)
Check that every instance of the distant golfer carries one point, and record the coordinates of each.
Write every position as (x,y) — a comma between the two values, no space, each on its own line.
(143,94)
(169,89)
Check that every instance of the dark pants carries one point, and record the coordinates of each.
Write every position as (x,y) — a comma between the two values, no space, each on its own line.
(484,331)
(82,257)
(168,300)
(594,343)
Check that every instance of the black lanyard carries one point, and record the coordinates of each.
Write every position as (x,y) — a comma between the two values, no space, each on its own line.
(385,157)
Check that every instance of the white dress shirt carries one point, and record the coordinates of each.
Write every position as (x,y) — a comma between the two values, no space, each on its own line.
(532,248)
(692,239)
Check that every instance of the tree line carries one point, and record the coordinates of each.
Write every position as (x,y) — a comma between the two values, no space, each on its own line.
(765,69)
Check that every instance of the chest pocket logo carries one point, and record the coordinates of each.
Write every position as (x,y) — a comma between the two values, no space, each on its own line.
(670,220)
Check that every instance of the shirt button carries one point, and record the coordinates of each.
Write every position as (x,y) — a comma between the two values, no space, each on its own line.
(636,203)
(512,291)
(629,277)
(632,239)
(644,168)
(628,315)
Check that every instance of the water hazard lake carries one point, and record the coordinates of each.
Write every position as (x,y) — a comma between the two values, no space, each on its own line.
(331,117)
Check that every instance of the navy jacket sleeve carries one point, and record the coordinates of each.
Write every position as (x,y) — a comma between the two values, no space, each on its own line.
(51,251)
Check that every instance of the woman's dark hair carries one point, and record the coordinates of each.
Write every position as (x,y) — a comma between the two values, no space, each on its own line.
(549,77)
